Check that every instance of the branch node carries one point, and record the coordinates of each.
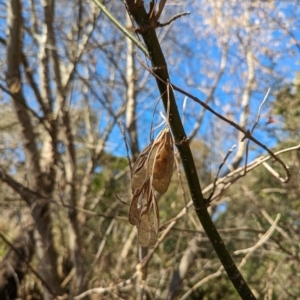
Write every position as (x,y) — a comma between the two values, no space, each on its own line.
(201,208)
(184,142)
(159,68)
(173,19)
(246,136)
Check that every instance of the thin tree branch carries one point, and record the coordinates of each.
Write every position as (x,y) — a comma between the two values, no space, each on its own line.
(34,86)
(261,241)
(213,89)
(101,290)
(202,282)
(247,133)
(159,67)
(172,19)
(121,27)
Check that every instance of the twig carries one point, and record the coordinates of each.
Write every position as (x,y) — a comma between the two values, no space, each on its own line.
(271,170)
(261,241)
(220,167)
(173,19)
(31,197)
(259,109)
(256,122)
(202,282)
(227,180)
(151,125)
(121,27)
(183,109)
(123,202)
(279,229)
(161,6)
(247,133)
(126,146)
(101,290)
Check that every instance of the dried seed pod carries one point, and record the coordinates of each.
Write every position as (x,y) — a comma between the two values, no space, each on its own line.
(144,231)
(161,185)
(149,224)
(143,210)
(139,170)
(147,233)
(135,210)
(139,202)
(161,160)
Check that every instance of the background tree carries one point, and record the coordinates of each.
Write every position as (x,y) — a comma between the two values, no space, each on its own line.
(69,77)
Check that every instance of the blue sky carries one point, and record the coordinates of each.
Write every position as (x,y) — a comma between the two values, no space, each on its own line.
(193,48)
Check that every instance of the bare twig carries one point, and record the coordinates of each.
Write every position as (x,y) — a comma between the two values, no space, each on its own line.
(202,282)
(160,9)
(210,95)
(126,146)
(259,109)
(101,290)
(256,122)
(247,133)
(226,182)
(261,241)
(173,19)
(219,170)
(121,27)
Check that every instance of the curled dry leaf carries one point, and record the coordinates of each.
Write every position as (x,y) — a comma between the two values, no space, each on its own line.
(161,160)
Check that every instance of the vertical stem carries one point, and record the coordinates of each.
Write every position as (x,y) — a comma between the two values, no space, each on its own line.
(159,66)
